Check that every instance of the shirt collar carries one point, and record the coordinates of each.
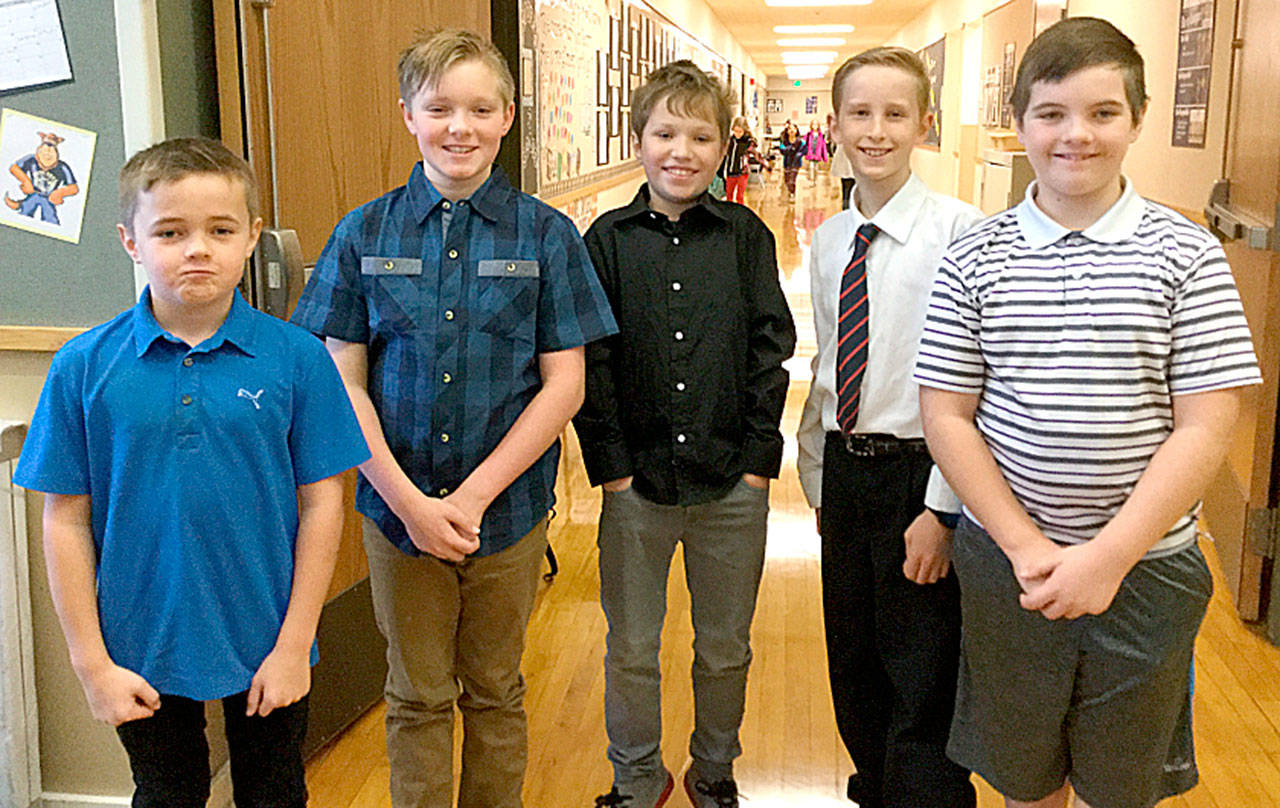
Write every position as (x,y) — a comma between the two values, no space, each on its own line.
(1118,224)
(898,215)
(238,329)
(639,206)
(492,200)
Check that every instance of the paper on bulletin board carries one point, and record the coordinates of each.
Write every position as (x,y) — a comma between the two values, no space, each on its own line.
(33,49)
(46,167)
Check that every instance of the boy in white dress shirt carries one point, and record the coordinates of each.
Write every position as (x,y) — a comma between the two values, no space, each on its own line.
(885,514)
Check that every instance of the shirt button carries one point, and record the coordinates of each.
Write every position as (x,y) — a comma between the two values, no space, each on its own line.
(389,265)
(446,205)
(511,267)
(680,386)
(444,492)
(453,253)
(679,335)
(448,314)
(675,241)
(676,286)
(187,400)
(444,437)
(680,438)
(188,362)
(448,378)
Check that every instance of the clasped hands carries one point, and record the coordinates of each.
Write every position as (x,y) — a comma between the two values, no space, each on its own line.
(1067,582)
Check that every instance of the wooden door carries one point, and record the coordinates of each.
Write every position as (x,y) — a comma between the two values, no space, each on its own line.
(1240,506)
(307,92)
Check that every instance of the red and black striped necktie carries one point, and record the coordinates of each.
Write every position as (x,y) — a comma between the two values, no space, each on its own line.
(851,349)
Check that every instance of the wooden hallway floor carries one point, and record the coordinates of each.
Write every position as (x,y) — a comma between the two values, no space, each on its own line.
(791,753)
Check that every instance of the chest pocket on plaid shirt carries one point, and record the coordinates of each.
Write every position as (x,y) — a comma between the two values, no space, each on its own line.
(507,298)
(394,299)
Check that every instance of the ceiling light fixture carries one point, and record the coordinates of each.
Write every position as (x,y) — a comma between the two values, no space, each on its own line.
(813,29)
(795,3)
(812,42)
(809,57)
(806,71)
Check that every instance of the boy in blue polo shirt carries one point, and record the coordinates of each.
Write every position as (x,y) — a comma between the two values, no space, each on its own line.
(456,308)
(189,450)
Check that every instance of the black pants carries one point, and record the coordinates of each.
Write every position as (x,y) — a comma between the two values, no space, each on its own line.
(170,756)
(892,645)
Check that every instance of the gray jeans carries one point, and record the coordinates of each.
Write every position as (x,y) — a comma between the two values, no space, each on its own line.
(724,557)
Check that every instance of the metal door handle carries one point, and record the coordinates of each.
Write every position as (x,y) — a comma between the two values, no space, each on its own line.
(1226,223)
(279,278)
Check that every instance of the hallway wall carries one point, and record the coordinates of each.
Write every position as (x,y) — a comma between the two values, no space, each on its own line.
(1180,177)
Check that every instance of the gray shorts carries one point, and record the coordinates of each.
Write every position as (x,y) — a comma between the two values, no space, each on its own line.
(1103,701)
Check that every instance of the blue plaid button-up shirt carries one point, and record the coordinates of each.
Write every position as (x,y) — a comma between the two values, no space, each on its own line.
(455,302)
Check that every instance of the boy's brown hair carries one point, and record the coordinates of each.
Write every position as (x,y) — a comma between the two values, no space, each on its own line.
(1074,44)
(171,160)
(433,52)
(687,90)
(901,58)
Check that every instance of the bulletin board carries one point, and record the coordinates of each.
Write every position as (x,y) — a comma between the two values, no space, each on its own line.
(53,282)
(590,55)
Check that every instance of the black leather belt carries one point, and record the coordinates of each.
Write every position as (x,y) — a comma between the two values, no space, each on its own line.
(876,444)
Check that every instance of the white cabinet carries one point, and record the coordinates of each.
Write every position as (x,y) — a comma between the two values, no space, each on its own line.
(1004,180)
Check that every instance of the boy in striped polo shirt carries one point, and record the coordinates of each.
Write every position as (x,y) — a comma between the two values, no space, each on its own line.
(1084,359)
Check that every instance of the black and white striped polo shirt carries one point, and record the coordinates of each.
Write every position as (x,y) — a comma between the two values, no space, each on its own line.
(1076,341)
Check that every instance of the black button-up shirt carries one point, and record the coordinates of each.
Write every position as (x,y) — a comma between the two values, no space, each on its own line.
(688,396)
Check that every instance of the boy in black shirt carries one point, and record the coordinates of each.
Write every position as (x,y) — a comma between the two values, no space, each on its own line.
(680,426)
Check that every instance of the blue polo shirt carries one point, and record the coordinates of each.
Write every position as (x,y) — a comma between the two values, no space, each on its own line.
(455,302)
(192,457)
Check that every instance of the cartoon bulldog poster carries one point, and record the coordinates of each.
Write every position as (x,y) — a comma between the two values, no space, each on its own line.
(44,174)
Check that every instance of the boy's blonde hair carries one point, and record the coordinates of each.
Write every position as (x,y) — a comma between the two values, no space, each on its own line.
(171,160)
(1074,44)
(433,52)
(901,58)
(687,90)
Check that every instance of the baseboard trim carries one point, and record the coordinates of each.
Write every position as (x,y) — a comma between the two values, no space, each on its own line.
(51,799)
(219,795)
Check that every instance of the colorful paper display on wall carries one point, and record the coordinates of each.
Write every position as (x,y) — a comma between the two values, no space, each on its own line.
(46,166)
(591,55)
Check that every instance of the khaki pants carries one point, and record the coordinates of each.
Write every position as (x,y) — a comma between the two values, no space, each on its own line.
(455,634)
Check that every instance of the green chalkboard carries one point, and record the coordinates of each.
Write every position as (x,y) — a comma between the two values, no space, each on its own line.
(44,281)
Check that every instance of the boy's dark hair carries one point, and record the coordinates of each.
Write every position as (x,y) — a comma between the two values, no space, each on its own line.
(687,90)
(901,58)
(432,52)
(171,160)
(1074,44)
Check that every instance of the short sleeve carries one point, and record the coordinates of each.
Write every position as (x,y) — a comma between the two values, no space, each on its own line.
(572,307)
(333,302)
(55,455)
(950,356)
(1211,347)
(324,436)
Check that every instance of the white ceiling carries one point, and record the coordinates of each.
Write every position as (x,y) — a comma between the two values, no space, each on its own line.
(751,22)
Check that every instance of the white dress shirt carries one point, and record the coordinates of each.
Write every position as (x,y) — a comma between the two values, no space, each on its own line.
(916,226)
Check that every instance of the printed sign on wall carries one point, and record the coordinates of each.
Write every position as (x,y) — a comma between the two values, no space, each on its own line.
(46,174)
(1195,63)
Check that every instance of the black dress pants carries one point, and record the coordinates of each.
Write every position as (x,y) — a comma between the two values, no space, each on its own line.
(169,755)
(892,645)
